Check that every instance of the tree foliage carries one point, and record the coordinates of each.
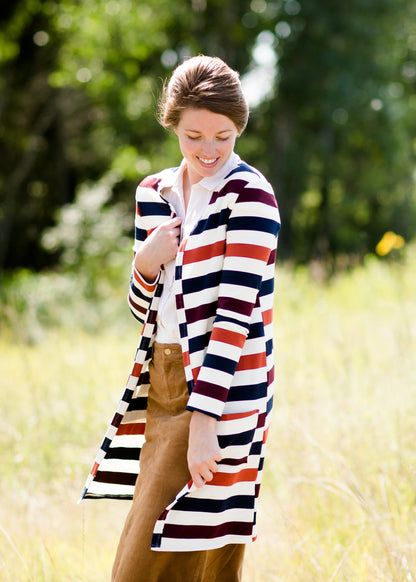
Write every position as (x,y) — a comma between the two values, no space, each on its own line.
(343,125)
(331,125)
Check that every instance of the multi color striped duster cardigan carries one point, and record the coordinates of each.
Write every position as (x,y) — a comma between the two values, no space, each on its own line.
(224,295)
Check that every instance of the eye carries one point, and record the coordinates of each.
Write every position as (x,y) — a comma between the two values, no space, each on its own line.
(193,137)
(222,138)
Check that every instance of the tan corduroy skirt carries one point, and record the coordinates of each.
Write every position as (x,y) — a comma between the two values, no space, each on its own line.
(163,473)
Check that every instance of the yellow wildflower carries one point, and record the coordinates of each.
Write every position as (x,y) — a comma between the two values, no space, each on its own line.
(389,241)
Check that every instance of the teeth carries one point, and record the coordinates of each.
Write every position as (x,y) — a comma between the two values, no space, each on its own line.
(208,161)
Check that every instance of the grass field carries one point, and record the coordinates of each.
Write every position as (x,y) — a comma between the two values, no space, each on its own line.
(338,497)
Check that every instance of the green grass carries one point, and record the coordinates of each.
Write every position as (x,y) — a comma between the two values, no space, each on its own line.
(338,496)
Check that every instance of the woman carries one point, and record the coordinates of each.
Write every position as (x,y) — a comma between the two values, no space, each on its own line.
(197,402)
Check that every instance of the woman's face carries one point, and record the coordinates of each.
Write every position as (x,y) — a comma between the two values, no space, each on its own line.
(206,140)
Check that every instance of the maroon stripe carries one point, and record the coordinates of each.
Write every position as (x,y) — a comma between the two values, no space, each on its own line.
(248,194)
(233,461)
(117,418)
(201,312)
(240,528)
(137,307)
(236,305)
(261,421)
(150,182)
(152,316)
(272,257)
(257,195)
(210,390)
(116,477)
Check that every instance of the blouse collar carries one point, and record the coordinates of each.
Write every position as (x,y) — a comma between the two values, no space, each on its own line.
(171,178)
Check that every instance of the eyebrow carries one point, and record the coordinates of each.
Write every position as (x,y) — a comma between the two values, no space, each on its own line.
(222,131)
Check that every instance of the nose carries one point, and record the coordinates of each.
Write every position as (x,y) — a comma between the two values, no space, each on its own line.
(208,147)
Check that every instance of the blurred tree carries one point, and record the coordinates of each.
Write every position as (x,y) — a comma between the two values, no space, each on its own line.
(28,116)
(331,126)
(80,80)
(340,146)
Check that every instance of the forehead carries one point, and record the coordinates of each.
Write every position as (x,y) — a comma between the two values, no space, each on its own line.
(203,121)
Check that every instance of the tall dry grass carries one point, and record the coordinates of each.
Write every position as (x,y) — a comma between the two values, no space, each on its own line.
(338,497)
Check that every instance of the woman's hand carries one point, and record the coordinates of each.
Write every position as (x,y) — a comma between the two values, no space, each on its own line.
(203,449)
(159,248)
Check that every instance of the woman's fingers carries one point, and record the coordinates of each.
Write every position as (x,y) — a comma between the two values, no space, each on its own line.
(203,474)
(204,452)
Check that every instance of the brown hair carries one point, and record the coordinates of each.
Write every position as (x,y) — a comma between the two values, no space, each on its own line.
(203,83)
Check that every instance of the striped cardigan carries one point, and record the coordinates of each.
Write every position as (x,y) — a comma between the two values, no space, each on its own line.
(224,296)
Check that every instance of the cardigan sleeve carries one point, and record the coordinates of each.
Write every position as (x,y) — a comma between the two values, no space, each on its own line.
(250,250)
(151,210)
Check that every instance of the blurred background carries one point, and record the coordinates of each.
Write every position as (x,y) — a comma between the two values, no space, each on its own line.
(333,117)
(331,87)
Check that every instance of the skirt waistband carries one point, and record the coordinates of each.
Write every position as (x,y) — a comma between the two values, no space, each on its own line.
(165,351)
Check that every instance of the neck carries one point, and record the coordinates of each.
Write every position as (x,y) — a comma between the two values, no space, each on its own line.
(187,186)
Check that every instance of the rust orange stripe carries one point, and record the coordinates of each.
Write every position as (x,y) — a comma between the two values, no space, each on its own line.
(132,428)
(252,361)
(228,337)
(249,251)
(268,316)
(203,253)
(225,479)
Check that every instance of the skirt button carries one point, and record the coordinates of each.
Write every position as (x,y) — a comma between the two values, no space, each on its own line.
(168,351)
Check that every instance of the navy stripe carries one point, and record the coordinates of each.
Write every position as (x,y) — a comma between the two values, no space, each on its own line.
(138,403)
(156,540)
(267,287)
(140,234)
(201,283)
(199,343)
(253,223)
(220,363)
(269,405)
(127,394)
(243,167)
(183,329)
(105,445)
(233,320)
(269,347)
(152,208)
(241,278)
(256,448)
(215,505)
(242,438)
(124,453)
(256,330)
(213,221)
(144,343)
(250,392)
(137,293)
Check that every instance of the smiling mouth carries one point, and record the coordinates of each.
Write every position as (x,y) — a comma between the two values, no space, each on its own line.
(208,161)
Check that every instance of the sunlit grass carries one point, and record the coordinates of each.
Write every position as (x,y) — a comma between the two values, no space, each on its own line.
(338,497)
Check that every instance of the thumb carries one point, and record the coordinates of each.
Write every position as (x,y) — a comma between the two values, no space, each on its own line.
(175,221)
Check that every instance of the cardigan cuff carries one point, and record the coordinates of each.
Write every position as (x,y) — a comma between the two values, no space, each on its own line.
(206,405)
